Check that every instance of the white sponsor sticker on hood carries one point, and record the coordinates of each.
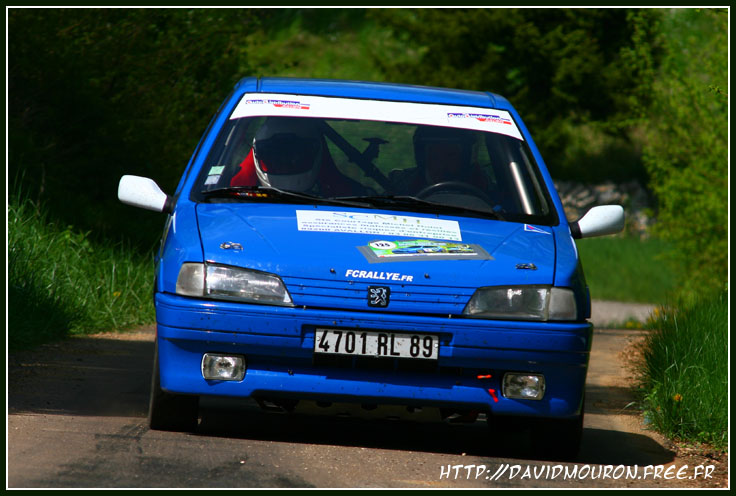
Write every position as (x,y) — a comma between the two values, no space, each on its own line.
(380,224)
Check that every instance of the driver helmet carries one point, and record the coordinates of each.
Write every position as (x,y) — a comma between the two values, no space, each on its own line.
(287,153)
(443,153)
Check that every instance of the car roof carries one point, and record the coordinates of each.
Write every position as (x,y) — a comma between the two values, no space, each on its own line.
(372,90)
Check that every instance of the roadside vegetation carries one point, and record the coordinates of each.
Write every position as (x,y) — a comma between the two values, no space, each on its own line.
(684,123)
(627,269)
(60,282)
(609,94)
(684,372)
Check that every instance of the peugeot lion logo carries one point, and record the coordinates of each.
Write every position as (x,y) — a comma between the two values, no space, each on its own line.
(378,296)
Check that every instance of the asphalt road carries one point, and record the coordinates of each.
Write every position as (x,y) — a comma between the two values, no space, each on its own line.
(77,418)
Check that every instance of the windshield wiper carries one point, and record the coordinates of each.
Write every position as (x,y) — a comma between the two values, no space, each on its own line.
(268,192)
(413,201)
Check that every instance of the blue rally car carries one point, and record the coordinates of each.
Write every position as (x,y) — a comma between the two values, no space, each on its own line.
(276,278)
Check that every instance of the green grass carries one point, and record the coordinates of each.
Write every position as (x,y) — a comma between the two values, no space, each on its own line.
(61,283)
(627,269)
(348,45)
(684,375)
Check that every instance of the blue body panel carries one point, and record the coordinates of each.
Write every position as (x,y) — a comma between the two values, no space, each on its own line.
(278,344)
(327,276)
(314,264)
(378,91)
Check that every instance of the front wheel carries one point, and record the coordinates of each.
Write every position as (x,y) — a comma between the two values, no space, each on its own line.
(170,412)
(558,438)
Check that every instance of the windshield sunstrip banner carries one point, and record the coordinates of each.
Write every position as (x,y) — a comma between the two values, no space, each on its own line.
(287,105)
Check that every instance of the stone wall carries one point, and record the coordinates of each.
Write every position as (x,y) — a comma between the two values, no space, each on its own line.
(578,198)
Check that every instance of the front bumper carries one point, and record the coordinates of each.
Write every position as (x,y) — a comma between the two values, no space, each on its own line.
(278,345)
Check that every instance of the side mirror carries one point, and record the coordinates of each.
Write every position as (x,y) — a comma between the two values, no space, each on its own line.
(144,193)
(599,221)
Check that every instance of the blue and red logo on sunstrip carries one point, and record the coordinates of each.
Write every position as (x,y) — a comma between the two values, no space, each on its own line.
(280,104)
(529,228)
(497,119)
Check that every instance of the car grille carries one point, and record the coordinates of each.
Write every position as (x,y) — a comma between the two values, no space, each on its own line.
(404,298)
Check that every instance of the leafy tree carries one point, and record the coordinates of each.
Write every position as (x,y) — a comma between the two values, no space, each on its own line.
(686,144)
(95,93)
(562,68)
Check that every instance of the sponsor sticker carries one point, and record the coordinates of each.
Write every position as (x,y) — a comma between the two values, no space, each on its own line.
(534,229)
(378,224)
(458,116)
(420,249)
(378,275)
(285,104)
(496,119)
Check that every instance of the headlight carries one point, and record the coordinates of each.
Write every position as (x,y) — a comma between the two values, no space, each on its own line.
(523,303)
(231,283)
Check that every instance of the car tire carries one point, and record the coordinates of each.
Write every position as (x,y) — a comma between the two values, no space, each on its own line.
(558,439)
(500,426)
(170,412)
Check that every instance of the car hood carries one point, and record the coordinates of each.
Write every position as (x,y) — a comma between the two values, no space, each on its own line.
(325,263)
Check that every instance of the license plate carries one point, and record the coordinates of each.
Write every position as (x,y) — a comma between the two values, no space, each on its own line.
(376,343)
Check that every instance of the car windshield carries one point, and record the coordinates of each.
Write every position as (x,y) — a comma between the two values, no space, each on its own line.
(376,164)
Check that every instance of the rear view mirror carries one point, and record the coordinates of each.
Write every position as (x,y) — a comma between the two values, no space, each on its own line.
(143,192)
(599,221)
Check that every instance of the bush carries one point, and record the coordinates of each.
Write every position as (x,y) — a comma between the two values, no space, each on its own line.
(561,68)
(684,375)
(686,145)
(97,93)
(60,282)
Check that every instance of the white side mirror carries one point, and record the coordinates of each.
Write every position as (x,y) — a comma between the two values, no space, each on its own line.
(144,193)
(599,221)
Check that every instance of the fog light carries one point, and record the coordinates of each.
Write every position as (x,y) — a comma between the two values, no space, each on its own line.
(523,386)
(216,367)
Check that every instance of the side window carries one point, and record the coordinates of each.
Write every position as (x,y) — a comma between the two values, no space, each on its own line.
(228,153)
(516,178)
(541,207)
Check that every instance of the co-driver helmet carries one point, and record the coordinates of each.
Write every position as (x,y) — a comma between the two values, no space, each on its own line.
(429,140)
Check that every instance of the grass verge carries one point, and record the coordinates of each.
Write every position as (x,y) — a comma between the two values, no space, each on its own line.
(627,269)
(60,282)
(684,372)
